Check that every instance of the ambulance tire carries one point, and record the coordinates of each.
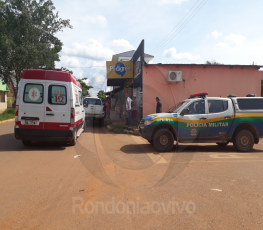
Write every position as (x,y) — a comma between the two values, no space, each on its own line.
(244,140)
(74,140)
(222,144)
(26,142)
(163,140)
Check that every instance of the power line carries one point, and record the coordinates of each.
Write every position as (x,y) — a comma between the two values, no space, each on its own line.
(87,67)
(174,28)
(191,16)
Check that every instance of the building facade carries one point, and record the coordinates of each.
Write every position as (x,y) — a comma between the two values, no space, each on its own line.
(217,80)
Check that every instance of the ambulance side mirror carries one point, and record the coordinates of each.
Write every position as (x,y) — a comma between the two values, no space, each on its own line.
(184,112)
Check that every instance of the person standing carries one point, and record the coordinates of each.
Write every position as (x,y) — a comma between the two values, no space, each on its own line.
(159,105)
(108,107)
(129,109)
(120,108)
(134,109)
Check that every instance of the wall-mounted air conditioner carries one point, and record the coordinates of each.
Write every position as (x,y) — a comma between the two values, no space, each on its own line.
(175,76)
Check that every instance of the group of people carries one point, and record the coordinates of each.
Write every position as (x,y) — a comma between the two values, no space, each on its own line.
(131,108)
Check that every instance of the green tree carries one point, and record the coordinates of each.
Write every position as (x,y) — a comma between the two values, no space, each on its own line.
(212,63)
(27,37)
(84,86)
(101,95)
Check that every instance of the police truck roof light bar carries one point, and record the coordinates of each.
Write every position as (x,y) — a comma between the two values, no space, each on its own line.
(201,95)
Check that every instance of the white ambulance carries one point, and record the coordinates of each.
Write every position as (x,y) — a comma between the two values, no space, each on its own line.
(49,107)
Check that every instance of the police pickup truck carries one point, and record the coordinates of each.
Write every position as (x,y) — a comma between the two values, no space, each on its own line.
(202,119)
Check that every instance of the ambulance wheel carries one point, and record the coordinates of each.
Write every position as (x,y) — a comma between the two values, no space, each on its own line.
(163,140)
(244,140)
(74,140)
(26,142)
(222,144)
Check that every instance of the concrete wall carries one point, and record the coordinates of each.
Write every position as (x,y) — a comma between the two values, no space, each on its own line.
(216,80)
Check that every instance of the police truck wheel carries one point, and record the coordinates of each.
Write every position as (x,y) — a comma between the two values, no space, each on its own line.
(163,140)
(74,140)
(222,144)
(150,141)
(244,141)
(26,142)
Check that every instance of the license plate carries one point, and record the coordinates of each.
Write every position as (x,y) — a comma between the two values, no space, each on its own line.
(30,122)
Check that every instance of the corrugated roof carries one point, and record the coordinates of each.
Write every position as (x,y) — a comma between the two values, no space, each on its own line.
(205,65)
(3,87)
(130,54)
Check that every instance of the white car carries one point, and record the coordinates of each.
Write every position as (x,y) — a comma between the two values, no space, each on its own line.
(94,109)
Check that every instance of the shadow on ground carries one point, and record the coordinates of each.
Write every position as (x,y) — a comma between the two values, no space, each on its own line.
(148,148)
(10,143)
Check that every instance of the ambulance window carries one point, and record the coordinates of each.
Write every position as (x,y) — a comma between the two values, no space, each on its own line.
(57,95)
(33,93)
(217,106)
(80,98)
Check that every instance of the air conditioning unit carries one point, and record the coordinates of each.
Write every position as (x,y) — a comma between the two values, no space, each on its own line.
(175,76)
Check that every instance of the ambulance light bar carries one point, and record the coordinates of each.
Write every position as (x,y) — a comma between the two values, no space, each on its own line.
(201,95)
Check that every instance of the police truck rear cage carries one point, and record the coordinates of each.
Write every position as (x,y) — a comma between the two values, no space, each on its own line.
(200,95)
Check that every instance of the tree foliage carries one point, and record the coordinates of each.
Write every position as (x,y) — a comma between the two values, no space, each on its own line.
(27,37)
(84,86)
(212,63)
(101,95)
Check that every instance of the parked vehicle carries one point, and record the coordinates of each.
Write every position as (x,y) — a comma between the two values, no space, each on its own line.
(94,109)
(207,120)
(49,107)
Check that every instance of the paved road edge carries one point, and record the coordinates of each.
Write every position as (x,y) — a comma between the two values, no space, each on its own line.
(5,121)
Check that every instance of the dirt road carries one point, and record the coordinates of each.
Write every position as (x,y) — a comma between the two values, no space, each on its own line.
(120,182)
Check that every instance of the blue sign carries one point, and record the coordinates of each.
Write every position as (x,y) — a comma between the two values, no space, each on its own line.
(120,69)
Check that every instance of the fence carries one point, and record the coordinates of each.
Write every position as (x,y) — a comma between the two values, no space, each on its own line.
(10,101)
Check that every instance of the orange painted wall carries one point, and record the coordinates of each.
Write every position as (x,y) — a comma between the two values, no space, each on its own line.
(216,80)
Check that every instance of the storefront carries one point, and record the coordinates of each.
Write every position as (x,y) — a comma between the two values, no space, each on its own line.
(176,82)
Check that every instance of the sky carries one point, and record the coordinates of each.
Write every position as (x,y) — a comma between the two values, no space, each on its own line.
(174,31)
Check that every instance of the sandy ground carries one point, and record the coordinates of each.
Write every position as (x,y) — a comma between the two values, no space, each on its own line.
(120,182)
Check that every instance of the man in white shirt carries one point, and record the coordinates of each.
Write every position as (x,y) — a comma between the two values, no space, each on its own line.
(129,109)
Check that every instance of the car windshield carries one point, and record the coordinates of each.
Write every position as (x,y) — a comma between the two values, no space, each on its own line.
(177,107)
(92,101)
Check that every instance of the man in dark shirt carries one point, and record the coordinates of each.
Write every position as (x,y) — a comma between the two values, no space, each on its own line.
(159,105)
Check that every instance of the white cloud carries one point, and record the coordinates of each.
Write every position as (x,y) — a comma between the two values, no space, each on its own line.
(121,45)
(92,49)
(98,82)
(71,62)
(95,20)
(221,45)
(235,39)
(177,2)
(171,53)
(216,34)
